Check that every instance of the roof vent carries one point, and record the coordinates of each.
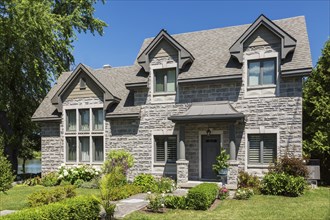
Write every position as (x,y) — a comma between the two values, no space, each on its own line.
(106,66)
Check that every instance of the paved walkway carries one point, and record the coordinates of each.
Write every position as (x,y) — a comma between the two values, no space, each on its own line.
(6,212)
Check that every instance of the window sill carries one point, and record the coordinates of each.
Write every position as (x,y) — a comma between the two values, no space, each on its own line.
(163,164)
(164,93)
(83,163)
(261,87)
(261,166)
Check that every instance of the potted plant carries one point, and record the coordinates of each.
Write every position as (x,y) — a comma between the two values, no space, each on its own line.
(220,167)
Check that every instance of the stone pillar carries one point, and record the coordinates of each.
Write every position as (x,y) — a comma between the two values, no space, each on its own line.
(182,171)
(232,145)
(182,149)
(232,174)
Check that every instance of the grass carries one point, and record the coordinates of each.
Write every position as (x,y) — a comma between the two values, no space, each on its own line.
(314,204)
(16,197)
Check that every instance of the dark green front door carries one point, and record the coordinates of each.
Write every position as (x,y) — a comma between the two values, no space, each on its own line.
(210,150)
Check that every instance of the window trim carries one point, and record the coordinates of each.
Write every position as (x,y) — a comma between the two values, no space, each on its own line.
(261,73)
(165,81)
(165,148)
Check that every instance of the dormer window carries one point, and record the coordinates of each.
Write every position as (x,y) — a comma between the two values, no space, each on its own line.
(261,72)
(165,80)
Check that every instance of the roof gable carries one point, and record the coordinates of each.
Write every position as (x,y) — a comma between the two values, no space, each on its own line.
(288,43)
(59,96)
(184,56)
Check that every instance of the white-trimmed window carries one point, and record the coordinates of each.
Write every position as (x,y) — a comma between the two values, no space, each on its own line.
(262,148)
(165,80)
(86,144)
(165,148)
(262,72)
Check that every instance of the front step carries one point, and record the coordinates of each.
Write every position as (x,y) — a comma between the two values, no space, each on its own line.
(191,184)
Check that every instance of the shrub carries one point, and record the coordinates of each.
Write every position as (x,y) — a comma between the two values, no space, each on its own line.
(33,181)
(165,185)
(93,184)
(156,201)
(202,196)
(118,159)
(78,183)
(243,193)
(6,174)
(245,180)
(82,208)
(72,174)
(223,193)
(50,179)
(283,184)
(146,181)
(291,166)
(175,202)
(47,196)
(123,192)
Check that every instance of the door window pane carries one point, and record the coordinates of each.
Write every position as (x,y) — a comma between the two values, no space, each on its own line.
(171,80)
(254,73)
(268,72)
(71,149)
(84,149)
(98,119)
(84,119)
(97,149)
(70,120)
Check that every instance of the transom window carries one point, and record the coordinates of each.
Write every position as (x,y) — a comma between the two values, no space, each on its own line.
(165,149)
(262,148)
(84,144)
(261,72)
(165,80)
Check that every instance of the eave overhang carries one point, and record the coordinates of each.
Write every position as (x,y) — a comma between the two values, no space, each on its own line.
(108,98)
(297,72)
(184,56)
(288,43)
(123,116)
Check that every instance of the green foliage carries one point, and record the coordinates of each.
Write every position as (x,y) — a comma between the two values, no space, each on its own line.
(316,113)
(93,184)
(223,193)
(44,197)
(165,185)
(222,162)
(72,174)
(202,196)
(146,181)
(175,202)
(82,208)
(245,180)
(118,159)
(283,184)
(123,192)
(156,201)
(243,193)
(6,174)
(49,179)
(291,166)
(36,44)
(33,181)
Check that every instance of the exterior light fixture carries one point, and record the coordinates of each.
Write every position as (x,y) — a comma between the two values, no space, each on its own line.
(208,132)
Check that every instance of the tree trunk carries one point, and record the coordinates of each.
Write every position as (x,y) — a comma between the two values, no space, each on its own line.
(23,166)
(12,152)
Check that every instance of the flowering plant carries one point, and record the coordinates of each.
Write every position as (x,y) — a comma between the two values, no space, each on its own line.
(223,193)
(244,193)
(156,201)
(72,174)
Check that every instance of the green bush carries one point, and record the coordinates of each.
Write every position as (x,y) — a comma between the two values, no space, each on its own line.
(291,166)
(165,185)
(202,196)
(78,183)
(245,180)
(46,196)
(93,184)
(146,181)
(33,181)
(50,179)
(123,192)
(176,202)
(82,208)
(156,201)
(243,193)
(118,159)
(283,184)
(6,174)
(72,174)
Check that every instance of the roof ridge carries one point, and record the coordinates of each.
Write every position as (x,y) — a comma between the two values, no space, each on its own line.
(116,67)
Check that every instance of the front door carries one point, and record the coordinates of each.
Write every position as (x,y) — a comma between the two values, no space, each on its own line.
(210,150)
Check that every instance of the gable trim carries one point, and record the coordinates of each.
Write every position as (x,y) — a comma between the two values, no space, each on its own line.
(288,43)
(184,56)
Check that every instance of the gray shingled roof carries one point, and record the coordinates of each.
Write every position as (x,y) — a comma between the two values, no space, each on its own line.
(212,59)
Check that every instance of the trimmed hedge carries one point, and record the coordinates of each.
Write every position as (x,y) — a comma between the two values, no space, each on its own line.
(82,208)
(202,196)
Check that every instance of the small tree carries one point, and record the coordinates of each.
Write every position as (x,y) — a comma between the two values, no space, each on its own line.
(118,159)
(6,174)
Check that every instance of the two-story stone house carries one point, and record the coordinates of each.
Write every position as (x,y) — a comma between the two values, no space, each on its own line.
(186,97)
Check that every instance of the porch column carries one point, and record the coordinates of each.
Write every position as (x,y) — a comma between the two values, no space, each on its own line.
(232,145)
(182,163)
(233,163)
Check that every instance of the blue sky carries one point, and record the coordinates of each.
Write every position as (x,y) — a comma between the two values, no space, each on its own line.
(130,22)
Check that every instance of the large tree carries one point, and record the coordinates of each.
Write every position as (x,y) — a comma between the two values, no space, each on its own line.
(36,43)
(317,112)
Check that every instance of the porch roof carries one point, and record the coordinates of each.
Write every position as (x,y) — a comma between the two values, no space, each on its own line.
(209,111)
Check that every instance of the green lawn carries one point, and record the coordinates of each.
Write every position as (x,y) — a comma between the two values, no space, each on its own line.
(314,204)
(16,197)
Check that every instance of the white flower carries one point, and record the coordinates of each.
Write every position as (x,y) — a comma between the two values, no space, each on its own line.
(163,194)
(149,193)
(60,176)
(62,164)
(162,205)
(65,173)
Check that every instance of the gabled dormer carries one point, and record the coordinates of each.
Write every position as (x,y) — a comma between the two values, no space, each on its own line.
(270,33)
(82,84)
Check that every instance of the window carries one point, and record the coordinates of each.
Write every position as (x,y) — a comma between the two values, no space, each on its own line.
(165,80)
(261,72)
(86,143)
(71,120)
(97,119)
(262,148)
(165,149)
